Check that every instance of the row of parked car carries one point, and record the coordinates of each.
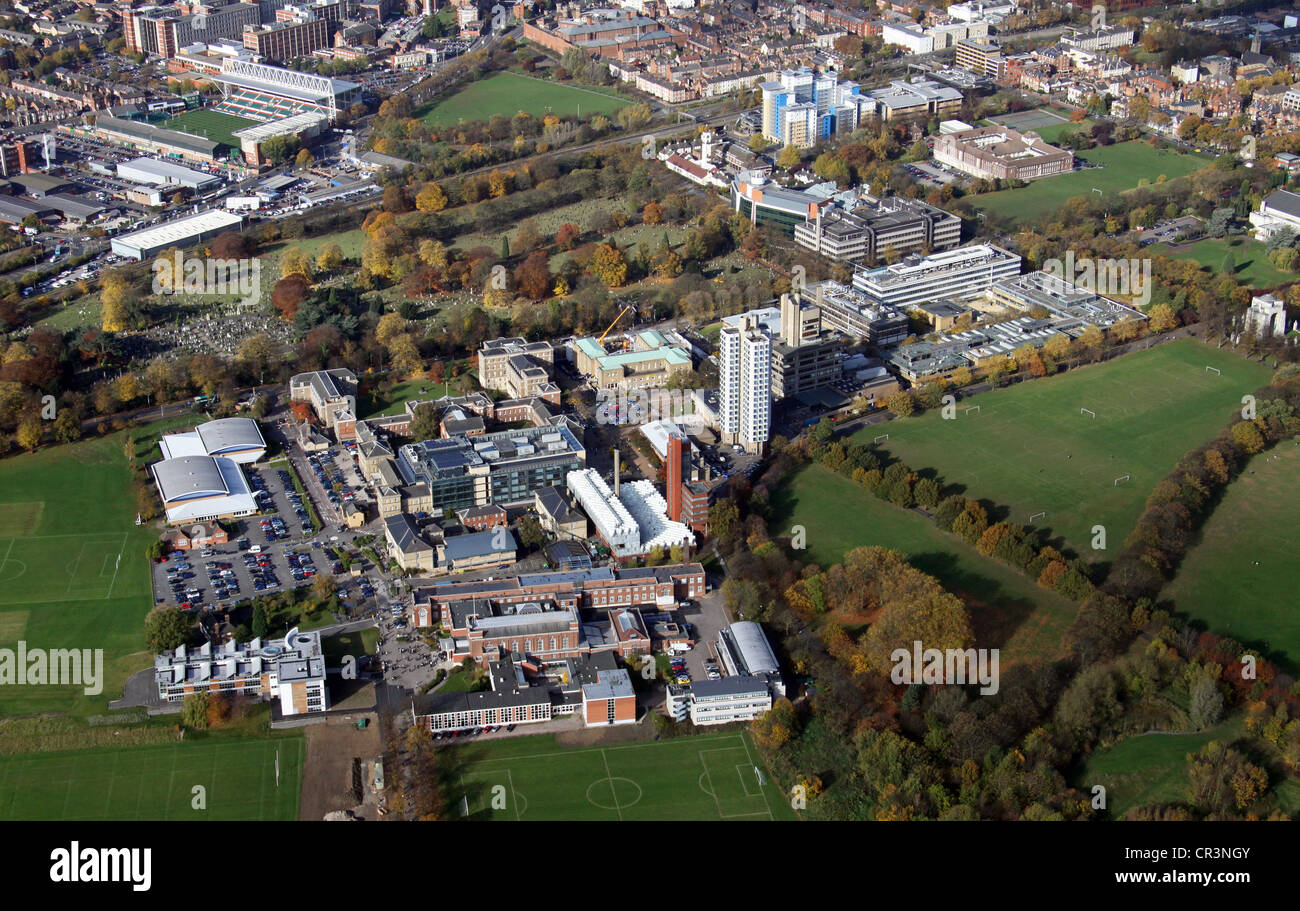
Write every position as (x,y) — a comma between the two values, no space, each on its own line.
(262,571)
(301,566)
(331,476)
(183,591)
(295,500)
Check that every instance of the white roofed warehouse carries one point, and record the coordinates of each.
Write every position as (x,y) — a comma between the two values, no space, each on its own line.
(237,439)
(183,232)
(200,488)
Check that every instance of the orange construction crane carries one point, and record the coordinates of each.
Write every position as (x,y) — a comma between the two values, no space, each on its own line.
(601,340)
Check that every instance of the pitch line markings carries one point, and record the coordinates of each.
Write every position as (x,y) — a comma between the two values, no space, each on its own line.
(761,789)
(111,582)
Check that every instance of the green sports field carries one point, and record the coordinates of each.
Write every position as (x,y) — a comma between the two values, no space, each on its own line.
(1241,577)
(215,125)
(1031,447)
(687,778)
(156,782)
(1123,165)
(1008,610)
(510,93)
(73,572)
(1251,266)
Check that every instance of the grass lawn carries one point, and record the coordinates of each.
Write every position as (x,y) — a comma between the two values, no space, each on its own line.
(1030,449)
(1053,132)
(1148,769)
(394,400)
(84,312)
(1219,582)
(510,93)
(1123,165)
(708,777)
(1007,609)
(1251,265)
(458,681)
(68,584)
(355,643)
(215,125)
(156,782)
(349,242)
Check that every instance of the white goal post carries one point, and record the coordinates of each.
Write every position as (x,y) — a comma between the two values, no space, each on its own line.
(1088,411)
(1038,515)
(1122,478)
(972,408)
(883,436)
(1216,370)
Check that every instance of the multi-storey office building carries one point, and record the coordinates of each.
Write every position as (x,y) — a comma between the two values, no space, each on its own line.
(965,272)
(869,232)
(505,468)
(745,385)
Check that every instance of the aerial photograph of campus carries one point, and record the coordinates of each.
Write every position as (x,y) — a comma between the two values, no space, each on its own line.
(653,410)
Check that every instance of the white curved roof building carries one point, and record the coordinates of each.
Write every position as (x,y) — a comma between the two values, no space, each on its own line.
(200,488)
(745,652)
(237,439)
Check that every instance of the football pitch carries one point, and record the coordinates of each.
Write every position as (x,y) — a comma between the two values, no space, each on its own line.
(1085,448)
(509,94)
(73,572)
(155,783)
(713,776)
(1121,166)
(215,125)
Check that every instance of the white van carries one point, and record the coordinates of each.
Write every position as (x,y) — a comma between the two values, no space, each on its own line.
(255,549)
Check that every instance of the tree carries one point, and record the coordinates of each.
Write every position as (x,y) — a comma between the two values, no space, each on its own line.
(304,159)
(330,258)
(29,433)
(1246,435)
(259,624)
(926,493)
(431,198)
(1206,702)
(1221,780)
(634,116)
(194,711)
(901,403)
(567,235)
(424,423)
(758,143)
(114,293)
(724,520)
(972,522)
(533,277)
(531,532)
(653,213)
(1162,318)
(67,427)
(166,628)
(295,262)
(609,265)
(790,158)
